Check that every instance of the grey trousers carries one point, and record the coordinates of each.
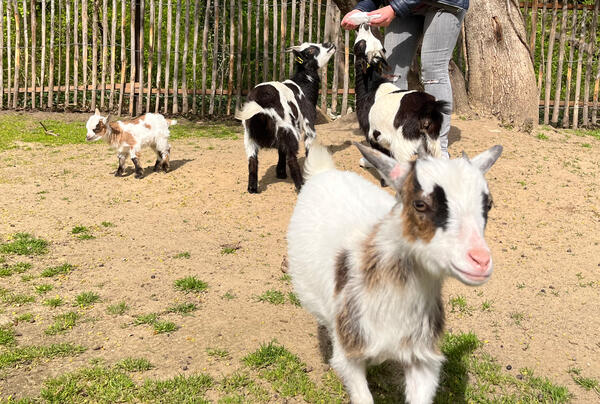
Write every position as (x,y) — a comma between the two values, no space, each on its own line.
(439,29)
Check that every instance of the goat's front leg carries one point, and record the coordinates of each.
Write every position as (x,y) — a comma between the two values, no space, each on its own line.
(136,162)
(252,154)
(280,170)
(353,373)
(422,381)
(158,161)
(122,159)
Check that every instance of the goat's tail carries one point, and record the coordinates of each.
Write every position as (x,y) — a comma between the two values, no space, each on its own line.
(248,111)
(318,160)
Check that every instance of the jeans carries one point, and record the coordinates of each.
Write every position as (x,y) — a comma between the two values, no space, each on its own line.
(439,29)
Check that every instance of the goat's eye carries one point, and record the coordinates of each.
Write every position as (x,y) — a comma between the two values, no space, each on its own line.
(490,203)
(420,206)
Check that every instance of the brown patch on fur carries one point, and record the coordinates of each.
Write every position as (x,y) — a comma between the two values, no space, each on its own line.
(147,126)
(436,321)
(341,271)
(417,225)
(138,120)
(118,136)
(348,329)
(377,271)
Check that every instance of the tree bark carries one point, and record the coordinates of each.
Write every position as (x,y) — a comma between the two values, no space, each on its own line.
(501,78)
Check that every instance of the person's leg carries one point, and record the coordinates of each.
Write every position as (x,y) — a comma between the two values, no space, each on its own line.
(400,43)
(440,33)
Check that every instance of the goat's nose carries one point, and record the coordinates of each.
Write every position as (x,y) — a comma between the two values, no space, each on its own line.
(480,258)
(326,45)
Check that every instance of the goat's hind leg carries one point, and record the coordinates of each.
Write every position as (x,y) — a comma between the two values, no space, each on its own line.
(122,159)
(280,170)
(289,143)
(252,154)
(158,160)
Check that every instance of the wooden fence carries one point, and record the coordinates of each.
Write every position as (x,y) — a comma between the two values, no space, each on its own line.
(201,57)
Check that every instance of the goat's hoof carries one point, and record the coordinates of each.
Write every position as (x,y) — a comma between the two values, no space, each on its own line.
(166,169)
(252,189)
(138,175)
(156,169)
(118,173)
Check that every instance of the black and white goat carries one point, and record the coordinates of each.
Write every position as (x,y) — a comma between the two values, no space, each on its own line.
(370,268)
(395,122)
(279,114)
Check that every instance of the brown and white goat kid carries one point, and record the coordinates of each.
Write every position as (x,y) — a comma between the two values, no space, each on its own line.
(370,268)
(128,137)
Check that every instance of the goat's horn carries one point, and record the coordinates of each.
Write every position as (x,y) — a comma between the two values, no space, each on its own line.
(464,156)
(108,117)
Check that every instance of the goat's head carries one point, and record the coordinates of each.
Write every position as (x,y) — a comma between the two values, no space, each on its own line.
(445,205)
(312,55)
(369,48)
(420,114)
(96,126)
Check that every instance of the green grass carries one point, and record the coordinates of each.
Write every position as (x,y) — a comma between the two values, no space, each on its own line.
(542,136)
(79,230)
(459,304)
(294,299)
(63,269)
(272,296)
(162,327)
(24,318)
(517,317)
(24,244)
(134,365)
(190,284)
(224,130)
(145,319)
(17,299)
(595,133)
(54,302)
(62,323)
(487,305)
(18,268)
(183,308)
(29,353)
(217,353)
(228,296)
(43,288)
(228,250)
(86,299)
(7,336)
(117,309)
(184,254)
(587,383)
(107,224)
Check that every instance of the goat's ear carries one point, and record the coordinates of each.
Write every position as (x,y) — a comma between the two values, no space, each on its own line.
(97,112)
(486,160)
(107,119)
(393,171)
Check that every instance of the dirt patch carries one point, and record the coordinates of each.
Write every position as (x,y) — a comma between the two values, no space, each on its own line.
(540,309)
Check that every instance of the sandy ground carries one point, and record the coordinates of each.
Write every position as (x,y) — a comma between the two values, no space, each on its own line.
(544,232)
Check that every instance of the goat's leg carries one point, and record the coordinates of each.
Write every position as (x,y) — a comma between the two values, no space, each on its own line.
(353,374)
(280,170)
(422,379)
(122,158)
(289,143)
(310,135)
(166,165)
(158,160)
(135,156)
(252,154)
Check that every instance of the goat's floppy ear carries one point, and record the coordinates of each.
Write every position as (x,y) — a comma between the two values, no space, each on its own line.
(484,161)
(393,171)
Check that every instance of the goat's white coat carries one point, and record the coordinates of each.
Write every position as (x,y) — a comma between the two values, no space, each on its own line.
(336,211)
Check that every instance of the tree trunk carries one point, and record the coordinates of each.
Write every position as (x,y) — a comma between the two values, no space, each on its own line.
(501,79)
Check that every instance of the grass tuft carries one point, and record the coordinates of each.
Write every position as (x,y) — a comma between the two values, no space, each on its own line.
(190,284)
(272,296)
(29,353)
(63,269)
(183,308)
(117,309)
(162,327)
(7,336)
(145,319)
(107,224)
(86,299)
(18,268)
(134,364)
(43,288)
(217,353)
(24,318)
(294,299)
(54,302)
(62,323)
(8,297)
(184,254)
(24,244)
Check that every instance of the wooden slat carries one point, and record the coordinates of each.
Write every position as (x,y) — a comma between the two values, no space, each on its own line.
(140,56)
(265,67)
(275,33)
(319,20)
(301,21)
(2,53)
(176,58)
(292,37)
(17,19)
(25,50)
(258,41)
(151,41)
(213,82)
(222,68)
(123,58)
(9,52)
(94,53)
(533,28)
(589,47)
(559,68)
(248,69)
(542,50)
(51,61)
(158,54)
(33,51)
(195,54)
(346,71)
(104,51)
(113,54)
(570,69)
(131,58)
(326,35)
(336,61)
(580,54)
(84,48)
(238,73)
(231,53)
(207,10)
(68,53)
(282,55)
(75,52)
(168,54)
(310,20)
(548,85)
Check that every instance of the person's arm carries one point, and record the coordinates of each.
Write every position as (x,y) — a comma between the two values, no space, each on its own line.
(402,8)
(397,8)
(362,6)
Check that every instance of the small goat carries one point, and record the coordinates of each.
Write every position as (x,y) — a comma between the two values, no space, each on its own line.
(370,268)
(128,137)
(278,114)
(392,120)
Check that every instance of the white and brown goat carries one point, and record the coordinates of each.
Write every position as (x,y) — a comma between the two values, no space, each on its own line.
(370,268)
(128,138)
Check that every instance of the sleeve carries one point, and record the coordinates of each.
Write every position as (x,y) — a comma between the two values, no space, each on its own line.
(367,5)
(402,8)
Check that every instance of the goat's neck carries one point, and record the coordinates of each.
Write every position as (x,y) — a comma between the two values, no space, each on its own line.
(309,81)
(360,78)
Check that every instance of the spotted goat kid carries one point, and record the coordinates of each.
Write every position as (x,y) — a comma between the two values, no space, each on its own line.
(128,137)
(280,114)
(370,268)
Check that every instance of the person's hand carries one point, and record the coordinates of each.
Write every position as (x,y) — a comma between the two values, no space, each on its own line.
(386,15)
(346,23)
